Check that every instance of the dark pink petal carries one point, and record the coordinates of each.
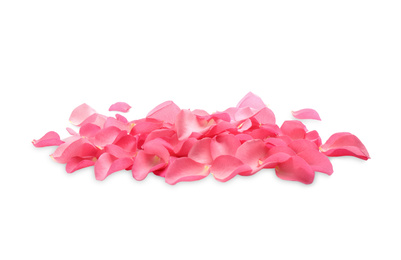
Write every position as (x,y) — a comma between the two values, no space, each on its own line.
(80,113)
(185,169)
(251,100)
(225,167)
(107,164)
(225,144)
(106,136)
(146,163)
(77,163)
(162,171)
(300,145)
(318,161)
(120,106)
(265,116)
(200,151)
(243,137)
(252,152)
(295,169)
(49,139)
(314,137)
(166,111)
(294,129)
(274,141)
(343,144)
(263,133)
(306,113)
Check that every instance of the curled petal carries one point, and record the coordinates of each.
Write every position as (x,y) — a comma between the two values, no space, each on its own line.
(77,163)
(318,161)
(200,151)
(187,123)
(225,167)
(71,131)
(314,137)
(306,113)
(80,113)
(295,169)
(252,152)
(185,169)
(107,164)
(251,100)
(89,130)
(275,159)
(294,129)
(120,107)
(146,163)
(265,116)
(166,111)
(343,144)
(225,144)
(106,136)
(77,147)
(96,119)
(49,139)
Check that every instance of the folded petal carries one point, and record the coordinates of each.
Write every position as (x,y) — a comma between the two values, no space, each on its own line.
(166,111)
(251,100)
(74,148)
(200,151)
(89,130)
(306,113)
(252,152)
(77,163)
(225,167)
(318,161)
(146,163)
(106,136)
(120,107)
(295,169)
(186,123)
(49,139)
(145,126)
(96,119)
(225,144)
(185,169)
(294,129)
(314,137)
(107,164)
(275,159)
(265,116)
(80,113)
(345,144)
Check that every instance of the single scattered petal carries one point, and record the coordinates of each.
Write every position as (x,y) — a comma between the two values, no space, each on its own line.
(107,164)
(120,107)
(306,113)
(225,167)
(251,100)
(318,161)
(49,139)
(345,144)
(185,169)
(80,113)
(295,169)
(166,111)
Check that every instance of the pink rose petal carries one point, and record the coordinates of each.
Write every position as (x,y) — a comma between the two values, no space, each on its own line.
(80,113)
(120,107)
(252,153)
(200,151)
(146,163)
(295,169)
(166,111)
(225,167)
(49,139)
(345,144)
(251,100)
(225,144)
(77,163)
(294,129)
(108,164)
(185,169)
(318,161)
(306,113)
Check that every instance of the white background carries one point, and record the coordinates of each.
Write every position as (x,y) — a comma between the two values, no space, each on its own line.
(341,58)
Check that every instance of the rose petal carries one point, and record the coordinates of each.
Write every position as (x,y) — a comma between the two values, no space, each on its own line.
(187,123)
(120,107)
(146,163)
(306,113)
(294,129)
(106,136)
(107,164)
(314,137)
(265,116)
(295,169)
(318,161)
(225,167)
(300,145)
(345,144)
(200,151)
(185,169)
(89,130)
(49,139)
(251,100)
(80,113)
(225,144)
(166,111)
(77,163)
(252,152)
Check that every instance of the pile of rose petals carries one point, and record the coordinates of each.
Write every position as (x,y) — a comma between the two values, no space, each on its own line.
(184,145)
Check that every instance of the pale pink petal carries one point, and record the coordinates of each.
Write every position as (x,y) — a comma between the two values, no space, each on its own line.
(243,137)
(294,129)
(111,121)
(225,144)
(345,144)
(107,164)
(49,139)
(77,163)
(252,152)
(75,148)
(245,125)
(166,111)
(265,116)
(306,113)
(187,123)
(295,169)
(71,131)
(300,145)
(244,113)
(157,147)
(225,167)
(80,113)
(200,113)
(251,100)
(219,128)
(185,169)
(106,136)
(120,107)
(96,119)
(200,151)
(145,163)
(121,118)
(145,126)
(318,161)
